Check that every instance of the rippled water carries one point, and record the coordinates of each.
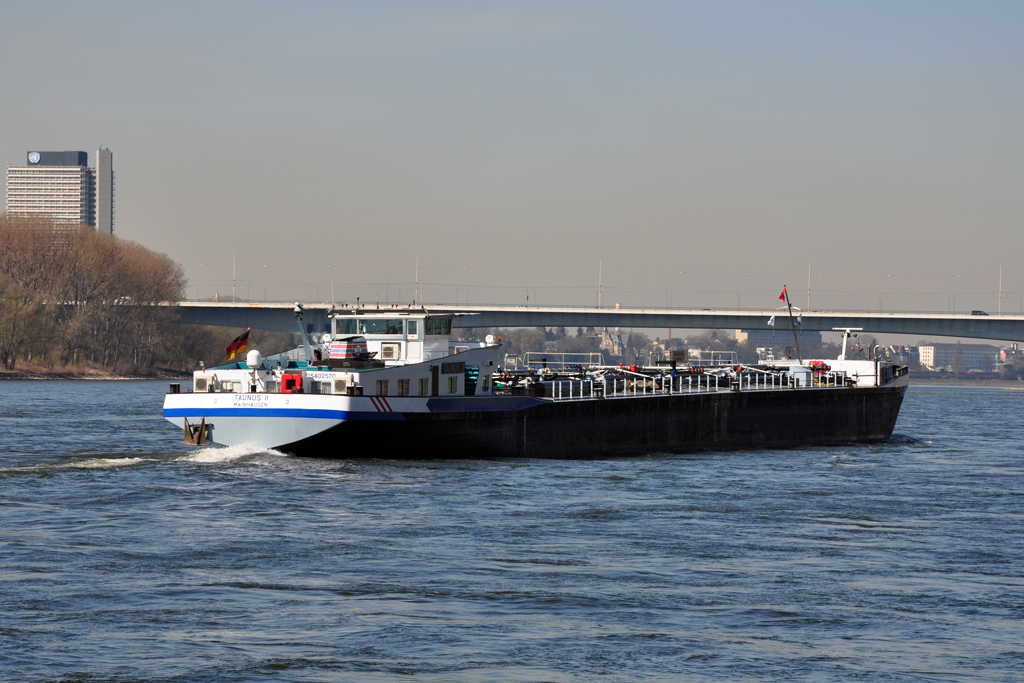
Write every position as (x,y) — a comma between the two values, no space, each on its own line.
(126,556)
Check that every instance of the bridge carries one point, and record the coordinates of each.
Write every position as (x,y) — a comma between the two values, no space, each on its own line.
(280,317)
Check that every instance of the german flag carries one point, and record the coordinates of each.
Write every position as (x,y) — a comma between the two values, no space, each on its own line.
(239,346)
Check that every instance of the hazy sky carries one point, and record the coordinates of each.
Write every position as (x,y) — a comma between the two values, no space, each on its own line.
(513,146)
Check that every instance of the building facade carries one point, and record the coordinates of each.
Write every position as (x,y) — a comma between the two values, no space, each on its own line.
(62,187)
(975,356)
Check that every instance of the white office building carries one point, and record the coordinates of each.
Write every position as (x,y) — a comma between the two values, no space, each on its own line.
(61,186)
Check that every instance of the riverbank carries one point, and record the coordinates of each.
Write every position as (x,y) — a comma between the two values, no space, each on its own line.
(90,373)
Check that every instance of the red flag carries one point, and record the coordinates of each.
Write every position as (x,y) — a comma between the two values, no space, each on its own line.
(782,296)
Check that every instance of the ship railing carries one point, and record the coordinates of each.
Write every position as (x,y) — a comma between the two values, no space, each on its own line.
(630,387)
(831,378)
(708,358)
(536,360)
(572,389)
(763,381)
(768,381)
(641,385)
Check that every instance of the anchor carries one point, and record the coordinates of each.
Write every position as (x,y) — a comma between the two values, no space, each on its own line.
(197,437)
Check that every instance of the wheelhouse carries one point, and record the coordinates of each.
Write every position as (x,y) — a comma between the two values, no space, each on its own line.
(397,338)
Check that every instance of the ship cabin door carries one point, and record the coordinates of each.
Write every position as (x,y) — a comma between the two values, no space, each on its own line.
(413,345)
(434,379)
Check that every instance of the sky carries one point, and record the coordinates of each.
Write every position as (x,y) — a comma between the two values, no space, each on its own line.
(681,154)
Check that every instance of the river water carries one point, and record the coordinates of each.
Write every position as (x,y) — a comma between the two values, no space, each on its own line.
(125,556)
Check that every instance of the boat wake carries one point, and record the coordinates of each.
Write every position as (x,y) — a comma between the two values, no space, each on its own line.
(229,453)
(84,464)
(903,439)
(102,463)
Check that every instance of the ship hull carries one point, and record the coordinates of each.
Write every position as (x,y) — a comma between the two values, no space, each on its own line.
(617,427)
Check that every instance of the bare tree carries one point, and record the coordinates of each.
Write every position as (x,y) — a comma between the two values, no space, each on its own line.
(24,324)
(958,360)
(89,296)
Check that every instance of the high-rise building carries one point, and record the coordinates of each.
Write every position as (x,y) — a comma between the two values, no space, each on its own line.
(104,191)
(62,187)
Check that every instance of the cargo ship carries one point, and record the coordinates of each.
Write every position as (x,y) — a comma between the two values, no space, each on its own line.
(393,384)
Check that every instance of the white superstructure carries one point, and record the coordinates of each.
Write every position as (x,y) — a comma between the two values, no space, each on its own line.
(409,360)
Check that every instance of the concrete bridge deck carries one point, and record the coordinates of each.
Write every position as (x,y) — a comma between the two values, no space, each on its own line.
(279,317)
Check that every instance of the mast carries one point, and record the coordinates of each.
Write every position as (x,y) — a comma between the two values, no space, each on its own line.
(792,323)
(297,309)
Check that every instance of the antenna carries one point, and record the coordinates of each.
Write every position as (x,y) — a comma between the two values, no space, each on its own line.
(846,335)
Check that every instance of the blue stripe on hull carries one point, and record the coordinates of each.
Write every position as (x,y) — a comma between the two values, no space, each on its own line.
(281,412)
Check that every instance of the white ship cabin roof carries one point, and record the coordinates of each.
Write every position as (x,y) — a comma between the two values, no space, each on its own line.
(397,337)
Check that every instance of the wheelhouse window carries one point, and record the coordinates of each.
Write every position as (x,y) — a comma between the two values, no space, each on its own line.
(345,326)
(438,326)
(381,326)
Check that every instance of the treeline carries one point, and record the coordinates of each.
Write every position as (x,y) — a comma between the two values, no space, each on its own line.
(73,296)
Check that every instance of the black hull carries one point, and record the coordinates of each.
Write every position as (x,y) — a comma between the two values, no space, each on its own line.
(623,426)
